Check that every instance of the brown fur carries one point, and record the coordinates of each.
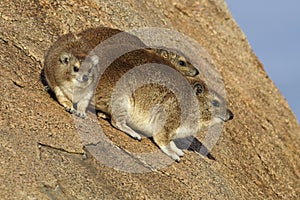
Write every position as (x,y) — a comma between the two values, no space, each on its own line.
(60,75)
(145,108)
(133,112)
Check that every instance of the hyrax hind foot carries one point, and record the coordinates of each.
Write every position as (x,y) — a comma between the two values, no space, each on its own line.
(165,143)
(172,151)
(121,125)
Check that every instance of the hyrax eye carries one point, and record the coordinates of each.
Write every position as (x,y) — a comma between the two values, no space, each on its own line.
(198,88)
(90,70)
(75,69)
(215,103)
(66,60)
(182,63)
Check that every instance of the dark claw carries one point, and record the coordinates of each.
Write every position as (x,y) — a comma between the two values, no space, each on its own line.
(70,110)
(81,115)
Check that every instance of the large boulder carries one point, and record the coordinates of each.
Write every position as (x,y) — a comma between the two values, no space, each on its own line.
(42,154)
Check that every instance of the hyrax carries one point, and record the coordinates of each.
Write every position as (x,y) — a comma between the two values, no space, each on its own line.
(69,75)
(155,111)
(155,100)
(73,80)
(128,62)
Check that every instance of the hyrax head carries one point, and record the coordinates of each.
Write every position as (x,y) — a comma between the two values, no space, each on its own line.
(79,69)
(212,106)
(220,112)
(179,61)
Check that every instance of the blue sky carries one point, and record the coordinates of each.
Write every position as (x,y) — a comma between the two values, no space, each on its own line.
(273,30)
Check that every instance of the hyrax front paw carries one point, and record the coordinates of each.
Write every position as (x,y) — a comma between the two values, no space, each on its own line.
(172,151)
(103,115)
(80,114)
(68,105)
(69,109)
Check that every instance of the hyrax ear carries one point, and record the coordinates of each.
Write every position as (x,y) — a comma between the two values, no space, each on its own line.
(95,60)
(198,88)
(164,53)
(65,57)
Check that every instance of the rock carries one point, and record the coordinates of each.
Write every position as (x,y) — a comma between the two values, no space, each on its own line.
(42,154)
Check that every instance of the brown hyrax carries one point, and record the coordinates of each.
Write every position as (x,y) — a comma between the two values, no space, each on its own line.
(154,111)
(65,71)
(67,74)
(144,94)
(125,63)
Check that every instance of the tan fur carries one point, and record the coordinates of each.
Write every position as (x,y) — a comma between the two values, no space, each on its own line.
(105,42)
(60,75)
(71,79)
(119,67)
(145,109)
(139,110)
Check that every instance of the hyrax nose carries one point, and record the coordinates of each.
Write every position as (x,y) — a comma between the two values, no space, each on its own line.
(230,114)
(85,78)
